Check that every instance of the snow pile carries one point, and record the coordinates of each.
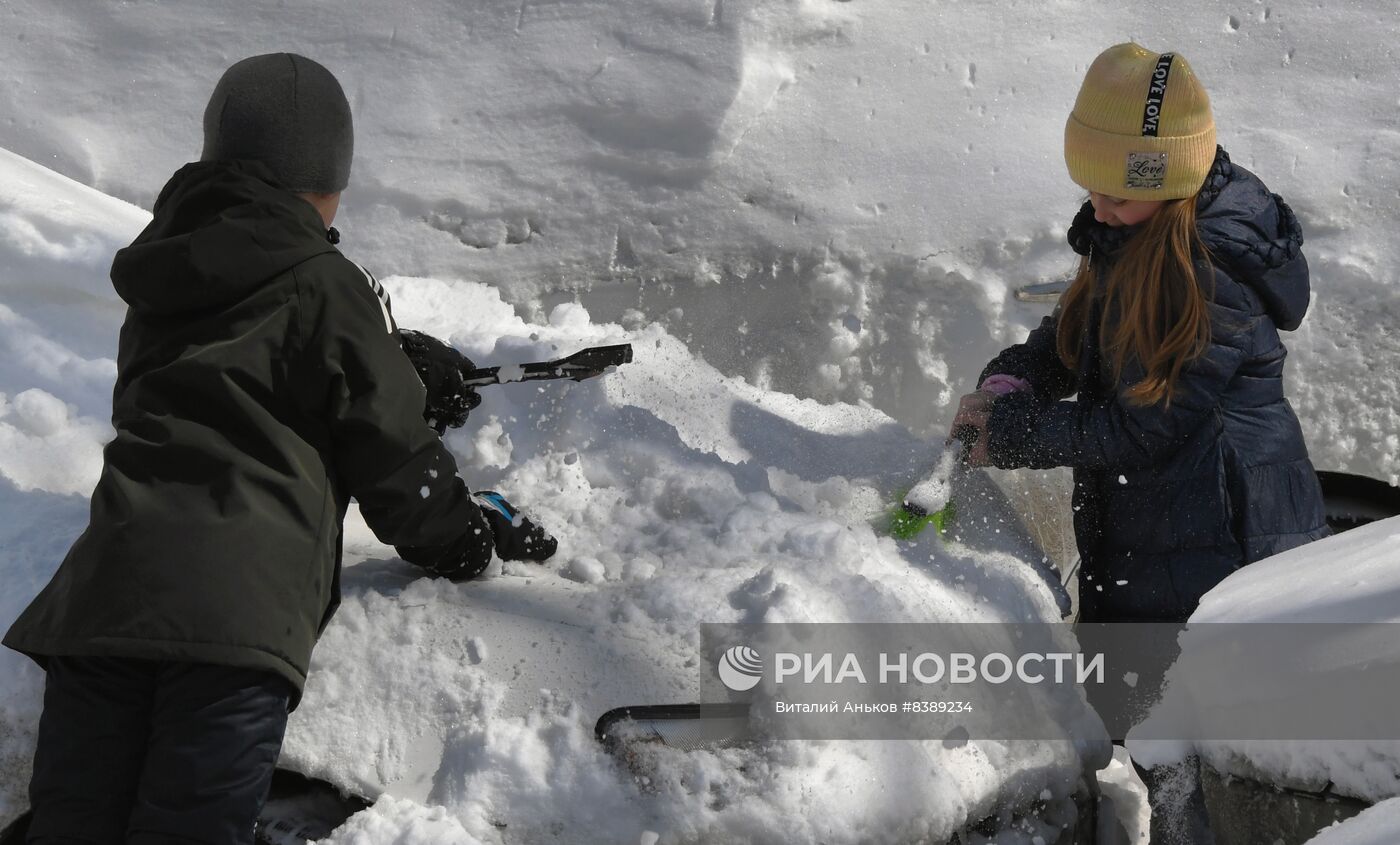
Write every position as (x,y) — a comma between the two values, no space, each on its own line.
(58,318)
(396,822)
(680,496)
(1353,577)
(58,324)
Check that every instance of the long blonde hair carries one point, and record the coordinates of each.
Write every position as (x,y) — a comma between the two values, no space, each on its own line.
(1155,311)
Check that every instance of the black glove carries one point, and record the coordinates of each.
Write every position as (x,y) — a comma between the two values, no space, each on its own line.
(516,537)
(461,560)
(442,370)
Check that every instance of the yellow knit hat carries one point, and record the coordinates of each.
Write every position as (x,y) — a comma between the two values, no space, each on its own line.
(1141,128)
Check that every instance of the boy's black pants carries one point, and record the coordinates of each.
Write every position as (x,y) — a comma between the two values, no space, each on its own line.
(144,751)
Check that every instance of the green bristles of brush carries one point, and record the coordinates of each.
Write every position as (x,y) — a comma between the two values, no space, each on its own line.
(905,525)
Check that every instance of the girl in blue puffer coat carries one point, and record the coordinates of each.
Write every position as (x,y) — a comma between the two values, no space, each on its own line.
(1188,459)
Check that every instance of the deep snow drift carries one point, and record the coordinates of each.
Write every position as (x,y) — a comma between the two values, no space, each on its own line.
(832,198)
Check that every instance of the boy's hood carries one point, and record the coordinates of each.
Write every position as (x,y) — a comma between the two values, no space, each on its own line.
(220,230)
(1251,233)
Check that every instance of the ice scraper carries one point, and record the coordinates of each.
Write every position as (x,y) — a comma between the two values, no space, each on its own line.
(452,379)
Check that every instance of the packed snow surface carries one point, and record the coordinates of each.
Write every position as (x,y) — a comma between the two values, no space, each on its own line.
(807,216)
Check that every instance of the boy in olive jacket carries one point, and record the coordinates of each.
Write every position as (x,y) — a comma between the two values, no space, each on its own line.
(261,384)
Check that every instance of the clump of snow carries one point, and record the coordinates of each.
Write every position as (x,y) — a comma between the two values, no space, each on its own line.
(43,446)
(510,373)
(588,570)
(491,445)
(395,822)
(1126,794)
(38,413)
(569,315)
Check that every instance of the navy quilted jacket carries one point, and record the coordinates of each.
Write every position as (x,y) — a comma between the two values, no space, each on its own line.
(1170,500)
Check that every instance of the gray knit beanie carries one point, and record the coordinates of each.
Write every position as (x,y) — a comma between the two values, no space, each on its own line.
(288,112)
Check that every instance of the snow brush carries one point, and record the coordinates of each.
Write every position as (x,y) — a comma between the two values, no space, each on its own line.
(930,502)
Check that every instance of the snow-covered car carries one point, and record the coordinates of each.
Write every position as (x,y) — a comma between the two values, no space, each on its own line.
(1327,611)
(682,497)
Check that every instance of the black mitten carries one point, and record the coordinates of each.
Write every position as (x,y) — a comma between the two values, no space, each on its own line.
(461,560)
(516,537)
(442,370)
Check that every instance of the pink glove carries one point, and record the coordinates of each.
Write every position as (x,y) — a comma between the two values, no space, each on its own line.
(1002,384)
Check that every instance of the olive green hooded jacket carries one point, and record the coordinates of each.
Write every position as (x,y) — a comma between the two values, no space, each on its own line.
(260,385)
